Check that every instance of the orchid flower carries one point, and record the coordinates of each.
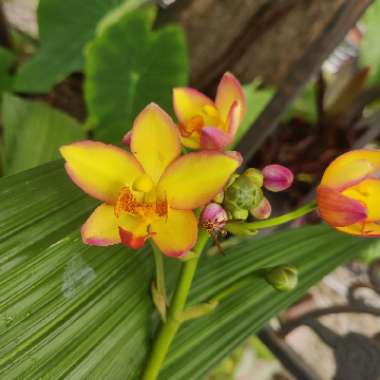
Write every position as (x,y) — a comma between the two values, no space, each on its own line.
(349,194)
(206,124)
(149,192)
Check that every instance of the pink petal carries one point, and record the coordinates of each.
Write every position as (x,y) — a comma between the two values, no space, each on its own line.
(337,209)
(214,139)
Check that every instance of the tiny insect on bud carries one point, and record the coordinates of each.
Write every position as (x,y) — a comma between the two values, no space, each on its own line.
(213,217)
(277,177)
(283,278)
(263,210)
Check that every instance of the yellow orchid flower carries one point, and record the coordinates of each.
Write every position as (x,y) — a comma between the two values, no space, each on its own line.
(349,194)
(206,124)
(149,192)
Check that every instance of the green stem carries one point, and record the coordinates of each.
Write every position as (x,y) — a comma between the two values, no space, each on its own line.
(160,271)
(232,288)
(169,329)
(277,220)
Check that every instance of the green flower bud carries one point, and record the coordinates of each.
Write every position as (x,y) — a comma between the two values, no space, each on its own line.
(255,176)
(283,278)
(241,196)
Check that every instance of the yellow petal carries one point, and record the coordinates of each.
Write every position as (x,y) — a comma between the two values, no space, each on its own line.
(155,140)
(362,229)
(194,179)
(101,228)
(351,168)
(188,102)
(367,192)
(133,230)
(192,142)
(99,169)
(229,92)
(176,234)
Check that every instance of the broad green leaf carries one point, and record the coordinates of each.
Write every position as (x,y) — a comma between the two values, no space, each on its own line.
(7,59)
(77,312)
(257,98)
(370,48)
(65,27)
(129,66)
(33,132)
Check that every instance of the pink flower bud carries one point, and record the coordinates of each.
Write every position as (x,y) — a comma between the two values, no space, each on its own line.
(263,210)
(277,177)
(213,217)
(127,138)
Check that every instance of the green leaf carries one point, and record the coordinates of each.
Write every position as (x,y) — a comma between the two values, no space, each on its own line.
(304,106)
(65,27)
(370,48)
(128,66)
(7,59)
(33,132)
(77,312)
(257,99)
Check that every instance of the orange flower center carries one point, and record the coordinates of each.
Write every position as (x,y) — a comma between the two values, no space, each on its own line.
(209,116)
(141,200)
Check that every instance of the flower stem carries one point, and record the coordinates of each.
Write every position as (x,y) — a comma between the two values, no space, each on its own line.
(273,221)
(160,271)
(169,329)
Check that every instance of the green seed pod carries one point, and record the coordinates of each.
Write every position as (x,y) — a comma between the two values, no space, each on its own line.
(255,176)
(283,278)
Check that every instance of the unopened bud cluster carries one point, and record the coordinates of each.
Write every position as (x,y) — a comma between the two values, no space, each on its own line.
(244,196)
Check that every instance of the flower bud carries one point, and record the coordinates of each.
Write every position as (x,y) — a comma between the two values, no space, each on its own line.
(127,138)
(213,217)
(240,196)
(283,278)
(219,197)
(263,210)
(277,177)
(255,176)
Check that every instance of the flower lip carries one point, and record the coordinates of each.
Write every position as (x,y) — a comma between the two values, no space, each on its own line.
(339,210)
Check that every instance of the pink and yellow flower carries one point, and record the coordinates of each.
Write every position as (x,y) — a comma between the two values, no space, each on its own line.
(349,194)
(206,124)
(149,192)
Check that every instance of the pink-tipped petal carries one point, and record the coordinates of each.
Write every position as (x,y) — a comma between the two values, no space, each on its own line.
(277,177)
(230,91)
(176,234)
(337,209)
(194,179)
(101,228)
(351,168)
(235,155)
(101,170)
(188,102)
(234,118)
(214,139)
